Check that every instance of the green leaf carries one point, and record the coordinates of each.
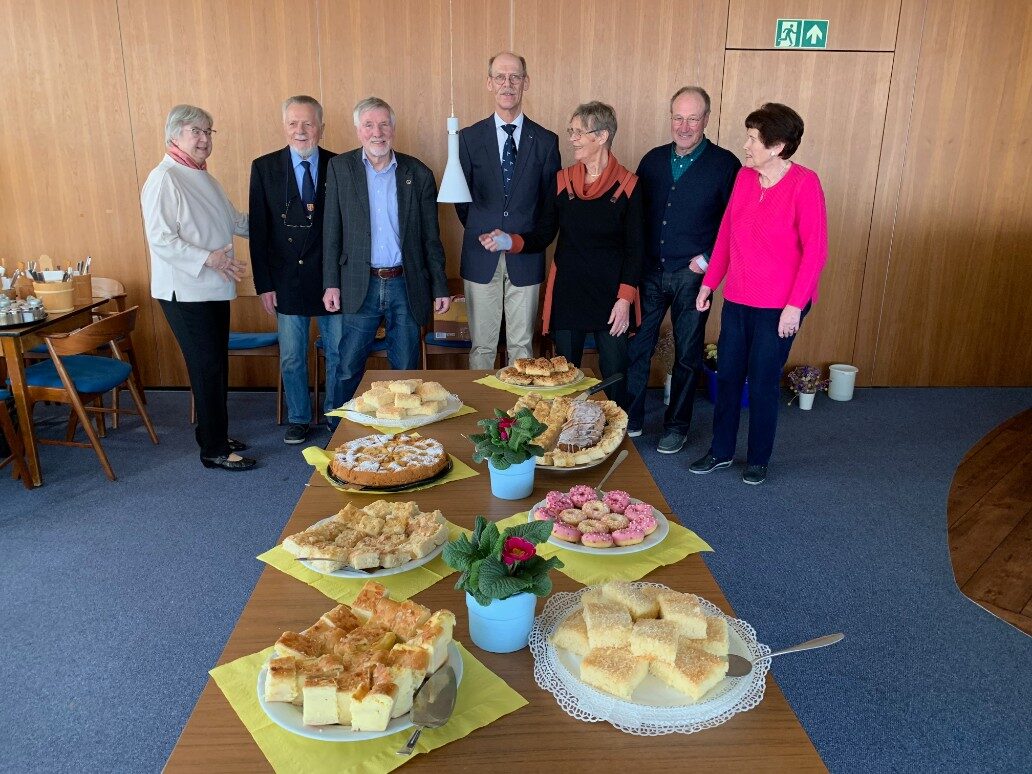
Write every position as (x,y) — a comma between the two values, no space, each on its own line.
(459,553)
(478,528)
(541,586)
(499,414)
(487,538)
(478,595)
(534,531)
(473,581)
(495,581)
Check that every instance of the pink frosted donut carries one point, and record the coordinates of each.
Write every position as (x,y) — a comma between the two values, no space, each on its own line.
(615,521)
(628,537)
(617,500)
(580,494)
(592,525)
(558,501)
(637,510)
(595,509)
(597,539)
(572,516)
(566,532)
(544,514)
(646,524)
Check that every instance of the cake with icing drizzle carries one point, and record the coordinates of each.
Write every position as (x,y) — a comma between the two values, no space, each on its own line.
(384,460)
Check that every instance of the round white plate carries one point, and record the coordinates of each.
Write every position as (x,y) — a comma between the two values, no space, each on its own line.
(290,717)
(577,379)
(345,572)
(654,708)
(586,465)
(655,538)
(452,404)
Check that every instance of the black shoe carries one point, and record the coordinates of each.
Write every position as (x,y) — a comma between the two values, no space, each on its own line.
(235,445)
(296,434)
(755,474)
(708,464)
(224,462)
(671,443)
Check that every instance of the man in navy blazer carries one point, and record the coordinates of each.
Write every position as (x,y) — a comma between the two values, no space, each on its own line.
(510,164)
(288,191)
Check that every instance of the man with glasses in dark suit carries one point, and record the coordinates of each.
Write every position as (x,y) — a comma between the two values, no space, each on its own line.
(384,258)
(510,164)
(288,194)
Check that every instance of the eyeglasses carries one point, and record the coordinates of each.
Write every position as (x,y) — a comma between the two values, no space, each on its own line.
(690,120)
(514,80)
(576,134)
(194,131)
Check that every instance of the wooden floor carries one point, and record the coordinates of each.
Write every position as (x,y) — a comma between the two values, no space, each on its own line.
(990,522)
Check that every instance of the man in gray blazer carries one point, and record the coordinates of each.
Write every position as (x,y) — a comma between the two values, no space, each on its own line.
(383,258)
(510,163)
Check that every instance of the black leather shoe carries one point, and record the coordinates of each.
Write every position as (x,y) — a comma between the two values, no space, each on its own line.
(224,462)
(235,445)
(296,434)
(708,464)
(755,474)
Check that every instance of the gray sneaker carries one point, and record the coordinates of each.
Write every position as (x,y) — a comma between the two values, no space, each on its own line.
(296,434)
(671,443)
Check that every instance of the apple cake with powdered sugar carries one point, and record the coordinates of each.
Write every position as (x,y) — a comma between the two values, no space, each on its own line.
(384,460)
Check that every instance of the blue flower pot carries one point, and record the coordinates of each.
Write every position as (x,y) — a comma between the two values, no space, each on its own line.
(711,387)
(513,483)
(504,625)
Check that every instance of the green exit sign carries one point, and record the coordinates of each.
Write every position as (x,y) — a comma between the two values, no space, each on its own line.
(801,33)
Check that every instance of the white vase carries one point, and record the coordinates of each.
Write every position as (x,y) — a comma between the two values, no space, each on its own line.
(806,400)
(666,389)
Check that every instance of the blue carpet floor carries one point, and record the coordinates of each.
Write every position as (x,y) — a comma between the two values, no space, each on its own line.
(104,586)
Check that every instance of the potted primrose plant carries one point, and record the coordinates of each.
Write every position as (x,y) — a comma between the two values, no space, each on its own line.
(502,575)
(511,457)
(806,381)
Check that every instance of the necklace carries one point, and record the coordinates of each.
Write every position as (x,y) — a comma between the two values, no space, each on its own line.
(773,182)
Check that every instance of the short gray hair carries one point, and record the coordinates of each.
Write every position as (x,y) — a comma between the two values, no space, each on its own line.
(303,99)
(491,61)
(690,90)
(373,103)
(184,115)
(597,116)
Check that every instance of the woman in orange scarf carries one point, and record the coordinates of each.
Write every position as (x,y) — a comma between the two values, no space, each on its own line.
(597,214)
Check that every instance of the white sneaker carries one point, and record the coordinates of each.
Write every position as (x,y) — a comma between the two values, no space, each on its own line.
(633,433)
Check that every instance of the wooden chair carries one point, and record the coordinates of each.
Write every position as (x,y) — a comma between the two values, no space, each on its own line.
(73,377)
(433,345)
(14,443)
(259,344)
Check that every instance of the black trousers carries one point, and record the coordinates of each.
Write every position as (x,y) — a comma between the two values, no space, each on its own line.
(749,346)
(202,330)
(612,356)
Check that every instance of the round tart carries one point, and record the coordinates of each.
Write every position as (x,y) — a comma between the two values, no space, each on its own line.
(384,460)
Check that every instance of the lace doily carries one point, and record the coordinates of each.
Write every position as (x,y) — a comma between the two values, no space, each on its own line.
(729,697)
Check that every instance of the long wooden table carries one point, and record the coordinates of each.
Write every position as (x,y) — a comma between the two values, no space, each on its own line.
(540,736)
(16,341)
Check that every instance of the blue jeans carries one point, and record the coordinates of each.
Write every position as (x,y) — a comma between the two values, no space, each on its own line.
(661,290)
(749,345)
(385,299)
(293,342)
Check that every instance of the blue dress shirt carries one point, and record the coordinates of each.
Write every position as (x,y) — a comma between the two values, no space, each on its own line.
(383,214)
(299,171)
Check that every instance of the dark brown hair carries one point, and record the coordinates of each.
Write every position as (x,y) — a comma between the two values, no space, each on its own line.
(777,123)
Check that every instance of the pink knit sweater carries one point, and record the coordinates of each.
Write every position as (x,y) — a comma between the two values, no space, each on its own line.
(771,251)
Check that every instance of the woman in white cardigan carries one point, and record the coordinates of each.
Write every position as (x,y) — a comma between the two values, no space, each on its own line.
(190,225)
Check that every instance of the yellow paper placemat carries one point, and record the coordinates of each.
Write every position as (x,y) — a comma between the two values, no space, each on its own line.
(590,569)
(320,460)
(401,585)
(483,698)
(463,410)
(498,384)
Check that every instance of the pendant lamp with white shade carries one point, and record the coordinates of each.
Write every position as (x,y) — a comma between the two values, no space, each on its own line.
(454,189)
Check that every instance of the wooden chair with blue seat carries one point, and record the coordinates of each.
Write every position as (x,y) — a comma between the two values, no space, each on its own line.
(73,377)
(258,344)
(449,334)
(15,448)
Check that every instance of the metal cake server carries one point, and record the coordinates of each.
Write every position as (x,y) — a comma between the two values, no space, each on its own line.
(432,705)
(598,387)
(737,666)
(624,454)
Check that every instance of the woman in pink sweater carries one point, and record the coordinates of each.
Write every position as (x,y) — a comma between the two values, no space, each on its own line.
(771,248)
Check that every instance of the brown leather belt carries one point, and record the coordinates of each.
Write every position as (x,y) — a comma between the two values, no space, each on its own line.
(391,273)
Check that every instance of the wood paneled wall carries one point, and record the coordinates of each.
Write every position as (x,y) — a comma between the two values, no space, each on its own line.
(915,123)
